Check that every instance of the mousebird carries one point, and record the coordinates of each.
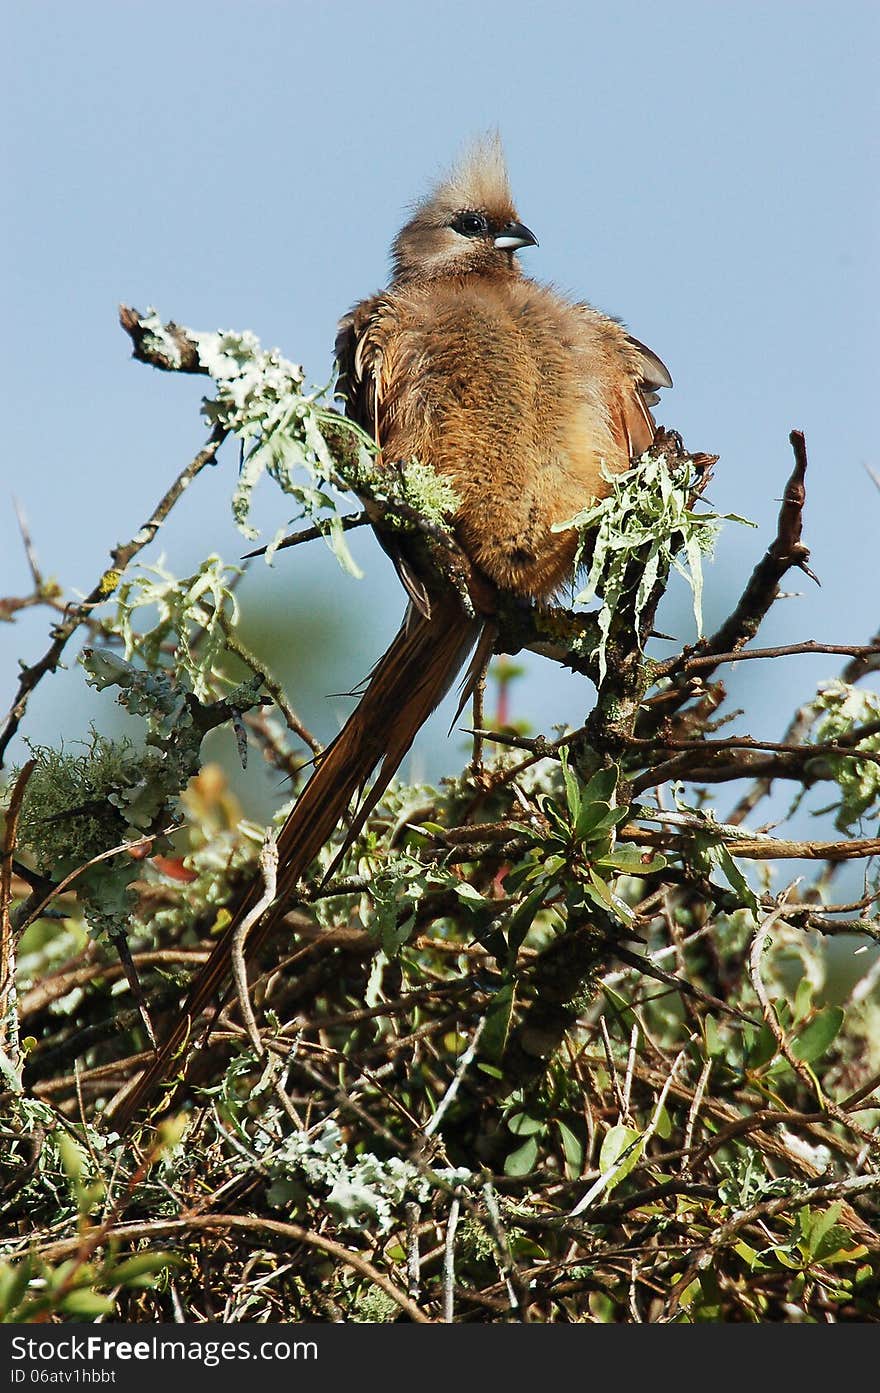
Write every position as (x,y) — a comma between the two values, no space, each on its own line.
(523,400)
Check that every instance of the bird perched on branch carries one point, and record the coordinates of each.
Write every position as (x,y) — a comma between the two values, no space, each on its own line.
(521,400)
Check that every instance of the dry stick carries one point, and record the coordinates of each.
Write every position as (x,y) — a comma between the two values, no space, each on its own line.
(120,558)
(8,1013)
(268,866)
(272,686)
(413,1257)
(860,664)
(628,1078)
(763,848)
(120,943)
(463,1064)
(61,983)
(310,534)
(478,700)
(506,1263)
(693,1112)
(785,551)
(612,1067)
(694,661)
(171,1228)
(449,1261)
(762,940)
(843,745)
(796,732)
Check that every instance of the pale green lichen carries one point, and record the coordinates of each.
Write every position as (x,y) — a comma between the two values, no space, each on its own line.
(157,342)
(260,399)
(645,518)
(80,803)
(192,613)
(427,492)
(844,708)
(367,1192)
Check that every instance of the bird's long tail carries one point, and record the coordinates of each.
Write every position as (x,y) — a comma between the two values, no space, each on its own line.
(406,685)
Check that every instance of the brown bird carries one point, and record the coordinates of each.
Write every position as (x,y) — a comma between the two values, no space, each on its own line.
(517,396)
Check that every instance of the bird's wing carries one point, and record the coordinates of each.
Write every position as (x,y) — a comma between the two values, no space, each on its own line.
(364,358)
(638,393)
(359,364)
(654,372)
(630,374)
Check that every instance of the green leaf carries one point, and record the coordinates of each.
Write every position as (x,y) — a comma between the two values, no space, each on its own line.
(87,1304)
(628,858)
(572,792)
(814,1040)
(497,1028)
(663,1125)
(522,1125)
(142,1265)
(803,999)
(522,919)
(602,890)
(572,1149)
(761,1048)
(621,1150)
(601,786)
(714,1044)
(734,877)
(469,895)
(621,1008)
(14,1278)
(73,1158)
(522,1161)
(598,819)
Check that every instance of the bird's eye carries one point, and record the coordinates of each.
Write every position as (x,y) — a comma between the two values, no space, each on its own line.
(471,224)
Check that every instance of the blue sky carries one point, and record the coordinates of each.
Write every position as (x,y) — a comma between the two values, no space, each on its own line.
(705,171)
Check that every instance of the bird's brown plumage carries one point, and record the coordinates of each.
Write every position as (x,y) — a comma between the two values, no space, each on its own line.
(523,400)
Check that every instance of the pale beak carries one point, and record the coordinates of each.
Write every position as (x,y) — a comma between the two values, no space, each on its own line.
(514,236)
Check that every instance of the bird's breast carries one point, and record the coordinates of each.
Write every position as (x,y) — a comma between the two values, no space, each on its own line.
(495,392)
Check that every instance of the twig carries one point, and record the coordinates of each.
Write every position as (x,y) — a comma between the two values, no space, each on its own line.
(120,558)
(506,1264)
(612,1067)
(413,1259)
(449,1261)
(346,522)
(449,1096)
(693,1112)
(272,685)
(52,988)
(760,942)
(268,870)
(172,1228)
(8,1012)
(785,551)
(120,943)
(693,662)
(624,1116)
(134,845)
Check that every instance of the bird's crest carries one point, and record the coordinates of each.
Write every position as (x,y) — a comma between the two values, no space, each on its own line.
(478,179)
(441,238)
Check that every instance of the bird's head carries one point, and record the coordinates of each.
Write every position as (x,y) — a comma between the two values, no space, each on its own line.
(467,224)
